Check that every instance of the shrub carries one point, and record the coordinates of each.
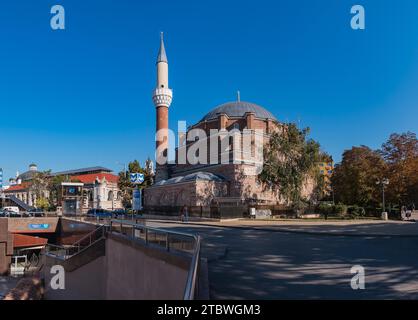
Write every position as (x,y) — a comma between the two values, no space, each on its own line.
(340,209)
(356,211)
(325,208)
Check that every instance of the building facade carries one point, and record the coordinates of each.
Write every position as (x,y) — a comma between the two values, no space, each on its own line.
(99,189)
(225,177)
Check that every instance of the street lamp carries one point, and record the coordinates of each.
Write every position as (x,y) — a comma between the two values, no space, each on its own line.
(124,167)
(383,182)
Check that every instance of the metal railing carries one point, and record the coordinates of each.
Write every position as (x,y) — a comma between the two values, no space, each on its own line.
(170,241)
(65,252)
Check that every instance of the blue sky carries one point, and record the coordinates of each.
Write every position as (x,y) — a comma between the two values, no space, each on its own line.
(82,96)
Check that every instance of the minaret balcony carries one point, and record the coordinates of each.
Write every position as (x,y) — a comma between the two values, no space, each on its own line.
(162,97)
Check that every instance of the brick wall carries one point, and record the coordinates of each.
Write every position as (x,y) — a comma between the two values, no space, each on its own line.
(6,246)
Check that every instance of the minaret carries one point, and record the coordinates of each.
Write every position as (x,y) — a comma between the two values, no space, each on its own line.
(162,98)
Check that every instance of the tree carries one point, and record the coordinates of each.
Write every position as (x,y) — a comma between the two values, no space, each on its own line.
(289,159)
(55,189)
(401,155)
(354,179)
(40,184)
(125,184)
(42,203)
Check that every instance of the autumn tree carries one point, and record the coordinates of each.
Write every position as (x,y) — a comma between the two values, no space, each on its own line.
(401,155)
(354,179)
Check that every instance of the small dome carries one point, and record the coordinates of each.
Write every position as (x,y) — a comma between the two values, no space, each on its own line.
(238,109)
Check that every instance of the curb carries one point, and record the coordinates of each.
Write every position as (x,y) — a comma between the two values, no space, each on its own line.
(317,233)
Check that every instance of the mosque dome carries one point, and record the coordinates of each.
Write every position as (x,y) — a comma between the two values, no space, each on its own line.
(238,109)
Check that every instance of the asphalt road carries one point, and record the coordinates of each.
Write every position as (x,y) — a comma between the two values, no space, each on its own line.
(250,264)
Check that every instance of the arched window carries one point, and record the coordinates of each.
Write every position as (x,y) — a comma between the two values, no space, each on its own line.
(110,196)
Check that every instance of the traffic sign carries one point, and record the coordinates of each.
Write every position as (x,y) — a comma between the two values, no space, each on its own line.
(137,178)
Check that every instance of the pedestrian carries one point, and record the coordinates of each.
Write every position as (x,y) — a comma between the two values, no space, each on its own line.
(186,214)
(182,214)
(403,213)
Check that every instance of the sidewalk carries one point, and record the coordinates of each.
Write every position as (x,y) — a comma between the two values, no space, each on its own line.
(373,228)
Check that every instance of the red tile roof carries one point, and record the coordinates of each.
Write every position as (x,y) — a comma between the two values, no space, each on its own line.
(21,241)
(18,187)
(91,178)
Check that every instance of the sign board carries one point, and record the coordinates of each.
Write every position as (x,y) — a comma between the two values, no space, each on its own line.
(136,199)
(41,226)
(137,178)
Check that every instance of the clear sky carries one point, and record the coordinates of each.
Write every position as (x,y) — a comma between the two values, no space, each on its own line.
(82,96)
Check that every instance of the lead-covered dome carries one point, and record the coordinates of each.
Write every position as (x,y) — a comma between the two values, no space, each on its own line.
(238,109)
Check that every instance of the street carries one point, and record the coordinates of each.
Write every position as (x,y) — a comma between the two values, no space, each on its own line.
(253,264)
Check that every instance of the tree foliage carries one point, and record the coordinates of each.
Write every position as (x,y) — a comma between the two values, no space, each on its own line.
(354,179)
(125,184)
(289,159)
(401,155)
(40,183)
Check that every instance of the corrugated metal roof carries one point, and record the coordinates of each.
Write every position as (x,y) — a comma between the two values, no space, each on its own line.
(83,170)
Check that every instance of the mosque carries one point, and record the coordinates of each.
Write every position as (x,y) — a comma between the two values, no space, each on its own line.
(210,188)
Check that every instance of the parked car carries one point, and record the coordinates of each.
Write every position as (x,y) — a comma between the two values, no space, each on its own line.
(13,209)
(36,213)
(12,214)
(99,213)
(119,213)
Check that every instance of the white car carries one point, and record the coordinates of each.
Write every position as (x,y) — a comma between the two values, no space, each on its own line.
(12,209)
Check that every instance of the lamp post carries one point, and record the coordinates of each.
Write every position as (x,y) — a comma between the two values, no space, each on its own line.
(383,182)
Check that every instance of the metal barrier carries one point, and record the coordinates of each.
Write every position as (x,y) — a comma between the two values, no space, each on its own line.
(167,239)
(65,252)
(170,241)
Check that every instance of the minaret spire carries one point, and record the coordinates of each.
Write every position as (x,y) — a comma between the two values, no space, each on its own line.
(162,97)
(162,56)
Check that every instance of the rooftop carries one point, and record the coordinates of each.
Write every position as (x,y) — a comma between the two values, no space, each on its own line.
(238,109)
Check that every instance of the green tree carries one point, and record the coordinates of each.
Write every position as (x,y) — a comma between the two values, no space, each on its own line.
(43,203)
(289,159)
(55,190)
(125,184)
